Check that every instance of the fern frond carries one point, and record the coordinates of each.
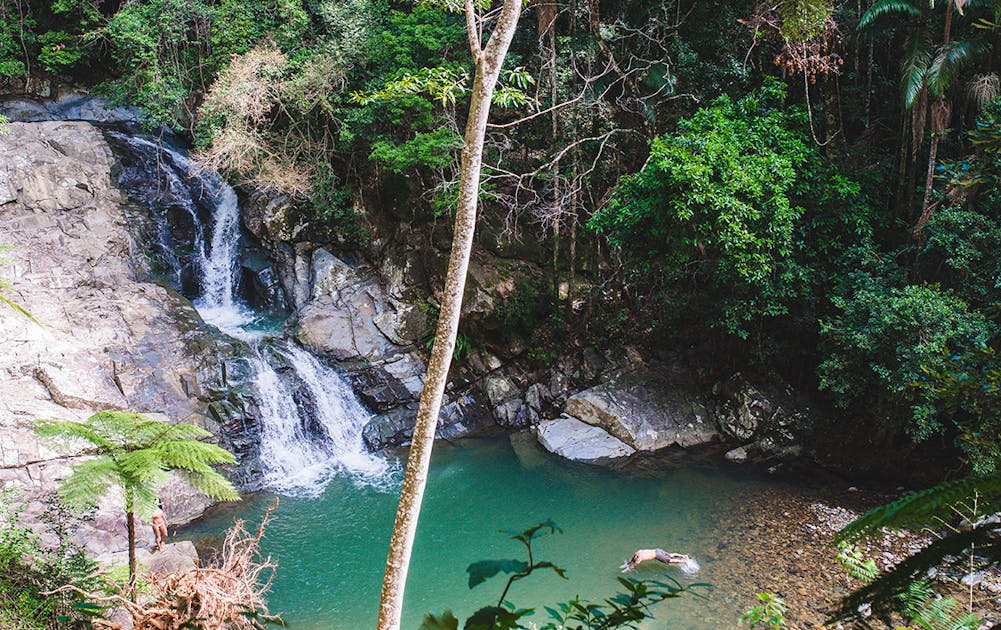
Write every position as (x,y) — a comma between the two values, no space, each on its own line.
(189,453)
(921,509)
(885,591)
(118,427)
(212,484)
(68,430)
(153,431)
(88,483)
(884,8)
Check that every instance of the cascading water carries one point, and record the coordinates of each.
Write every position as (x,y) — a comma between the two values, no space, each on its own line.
(297,460)
(305,438)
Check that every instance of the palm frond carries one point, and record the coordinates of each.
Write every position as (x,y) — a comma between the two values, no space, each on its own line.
(984,88)
(948,61)
(884,8)
(917,61)
(926,507)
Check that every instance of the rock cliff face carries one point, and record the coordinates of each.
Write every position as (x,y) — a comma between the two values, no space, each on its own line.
(106,338)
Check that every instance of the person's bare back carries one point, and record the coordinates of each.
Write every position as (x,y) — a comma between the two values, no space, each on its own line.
(159,523)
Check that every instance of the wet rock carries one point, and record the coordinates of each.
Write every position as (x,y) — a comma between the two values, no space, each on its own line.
(459,417)
(379,390)
(742,408)
(73,106)
(537,399)
(737,455)
(272,218)
(506,400)
(570,438)
(339,319)
(182,503)
(648,409)
(260,286)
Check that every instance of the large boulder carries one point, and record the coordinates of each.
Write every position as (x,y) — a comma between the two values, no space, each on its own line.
(348,311)
(649,408)
(742,408)
(570,438)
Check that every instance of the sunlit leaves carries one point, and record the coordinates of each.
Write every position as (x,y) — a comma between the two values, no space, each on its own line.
(443,84)
(134,453)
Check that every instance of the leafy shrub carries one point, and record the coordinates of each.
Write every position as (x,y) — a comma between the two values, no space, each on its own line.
(28,569)
(891,351)
(739,204)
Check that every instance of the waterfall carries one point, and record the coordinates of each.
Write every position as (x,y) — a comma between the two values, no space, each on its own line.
(301,459)
(310,420)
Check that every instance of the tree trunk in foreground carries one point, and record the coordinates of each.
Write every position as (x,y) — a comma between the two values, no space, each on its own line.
(488,60)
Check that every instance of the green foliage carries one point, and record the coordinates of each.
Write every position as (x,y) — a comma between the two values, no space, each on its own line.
(770,613)
(135,453)
(333,206)
(859,567)
(803,20)
(928,612)
(622,610)
(526,308)
(723,204)
(434,149)
(886,345)
(927,507)
(28,569)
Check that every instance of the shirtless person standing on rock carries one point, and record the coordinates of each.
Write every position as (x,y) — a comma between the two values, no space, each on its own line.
(159,524)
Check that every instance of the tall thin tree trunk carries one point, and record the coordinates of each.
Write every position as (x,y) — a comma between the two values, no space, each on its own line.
(941,111)
(130,526)
(488,59)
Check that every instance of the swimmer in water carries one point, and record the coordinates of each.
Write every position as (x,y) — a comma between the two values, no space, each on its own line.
(642,555)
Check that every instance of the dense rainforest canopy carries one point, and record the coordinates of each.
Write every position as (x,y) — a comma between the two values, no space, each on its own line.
(806,186)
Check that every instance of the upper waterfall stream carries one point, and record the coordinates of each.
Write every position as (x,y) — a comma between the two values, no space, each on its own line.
(310,421)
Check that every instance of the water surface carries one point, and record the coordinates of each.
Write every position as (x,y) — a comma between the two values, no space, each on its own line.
(331,548)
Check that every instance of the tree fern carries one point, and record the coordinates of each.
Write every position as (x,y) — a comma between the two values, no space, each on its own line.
(135,453)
